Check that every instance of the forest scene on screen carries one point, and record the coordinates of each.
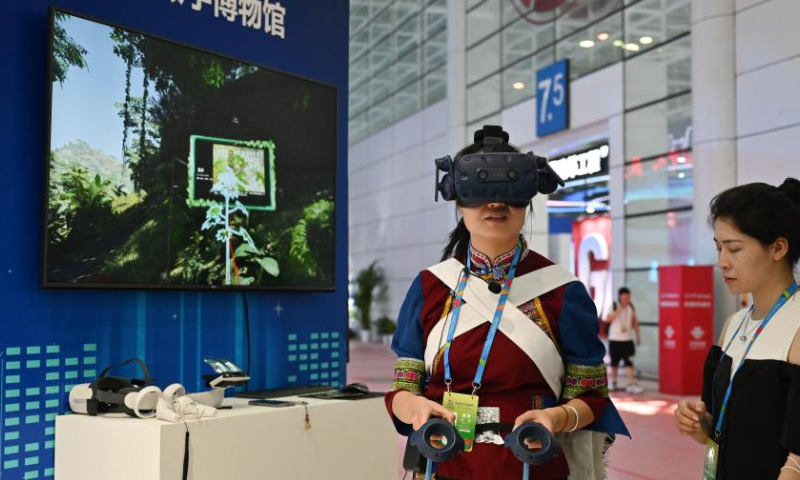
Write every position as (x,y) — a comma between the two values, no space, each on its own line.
(171,166)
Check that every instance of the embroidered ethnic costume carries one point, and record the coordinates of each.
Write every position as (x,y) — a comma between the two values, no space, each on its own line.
(512,383)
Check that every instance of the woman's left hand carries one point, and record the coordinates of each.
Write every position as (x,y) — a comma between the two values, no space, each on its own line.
(544,417)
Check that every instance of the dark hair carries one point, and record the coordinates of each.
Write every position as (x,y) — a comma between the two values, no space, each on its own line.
(623,290)
(763,212)
(458,240)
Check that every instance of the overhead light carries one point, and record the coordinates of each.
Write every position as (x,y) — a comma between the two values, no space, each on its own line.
(632,47)
(603,36)
(682,175)
(517,85)
(619,43)
(681,159)
(586,43)
(646,40)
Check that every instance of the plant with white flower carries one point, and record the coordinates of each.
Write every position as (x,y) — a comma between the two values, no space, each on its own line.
(229,186)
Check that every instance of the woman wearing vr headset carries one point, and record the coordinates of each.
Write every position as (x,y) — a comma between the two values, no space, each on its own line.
(749,415)
(500,325)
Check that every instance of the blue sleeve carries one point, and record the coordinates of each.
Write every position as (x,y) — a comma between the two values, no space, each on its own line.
(407,341)
(579,327)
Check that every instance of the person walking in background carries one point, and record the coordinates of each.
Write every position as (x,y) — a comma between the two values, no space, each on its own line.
(623,324)
(749,414)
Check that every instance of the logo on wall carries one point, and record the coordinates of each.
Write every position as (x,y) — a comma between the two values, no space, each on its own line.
(542,12)
(582,164)
(255,14)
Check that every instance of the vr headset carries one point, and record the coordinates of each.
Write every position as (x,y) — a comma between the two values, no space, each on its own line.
(134,397)
(494,175)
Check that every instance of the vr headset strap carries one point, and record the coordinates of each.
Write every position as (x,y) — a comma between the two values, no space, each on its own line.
(147,378)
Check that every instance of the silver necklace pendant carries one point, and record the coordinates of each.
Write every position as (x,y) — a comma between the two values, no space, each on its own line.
(743,338)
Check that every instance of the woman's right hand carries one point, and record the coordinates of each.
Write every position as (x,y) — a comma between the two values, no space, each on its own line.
(691,419)
(416,409)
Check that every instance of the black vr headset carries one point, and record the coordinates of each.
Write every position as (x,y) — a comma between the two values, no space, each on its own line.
(495,175)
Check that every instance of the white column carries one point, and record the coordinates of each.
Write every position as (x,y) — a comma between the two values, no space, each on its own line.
(456,74)
(714,124)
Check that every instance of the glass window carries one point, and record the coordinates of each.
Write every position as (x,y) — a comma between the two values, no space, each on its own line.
(592,48)
(483,98)
(644,294)
(651,22)
(659,73)
(406,8)
(659,128)
(436,85)
(660,239)
(435,18)
(359,15)
(359,44)
(381,115)
(483,21)
(358,128)
(647,352)
(407,101)
(381,25)
(376,6)
(359,71)
(472,3)
(483,59)
(381,55)
(359,100)
(408,35)
(436,51)
(522,38)
(664,183)
(408,68)
(572,16)
(519,80)
(381,85)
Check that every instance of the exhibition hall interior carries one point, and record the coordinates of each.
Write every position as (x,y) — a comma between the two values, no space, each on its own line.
(400,239)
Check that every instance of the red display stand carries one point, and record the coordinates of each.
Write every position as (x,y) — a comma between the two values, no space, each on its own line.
(686,327)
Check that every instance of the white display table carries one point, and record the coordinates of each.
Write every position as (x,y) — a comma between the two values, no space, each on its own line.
(352,440)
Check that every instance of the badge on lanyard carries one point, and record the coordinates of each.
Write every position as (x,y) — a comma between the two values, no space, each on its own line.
(466,409)
(710,465)
(463,405)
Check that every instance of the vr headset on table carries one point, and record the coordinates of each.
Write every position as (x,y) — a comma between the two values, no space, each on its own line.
(494,175)
(107,394)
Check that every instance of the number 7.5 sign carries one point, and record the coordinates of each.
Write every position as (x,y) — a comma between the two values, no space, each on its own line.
(552,98)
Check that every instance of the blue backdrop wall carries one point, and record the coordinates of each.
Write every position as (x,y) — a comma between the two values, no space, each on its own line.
(51,339)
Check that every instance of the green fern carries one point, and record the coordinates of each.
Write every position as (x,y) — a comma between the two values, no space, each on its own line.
(298,248)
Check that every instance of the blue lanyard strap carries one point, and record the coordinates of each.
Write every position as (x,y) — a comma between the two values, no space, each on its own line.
(498,314)
(781,301)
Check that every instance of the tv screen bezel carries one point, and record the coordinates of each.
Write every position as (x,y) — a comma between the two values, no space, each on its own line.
(156,286)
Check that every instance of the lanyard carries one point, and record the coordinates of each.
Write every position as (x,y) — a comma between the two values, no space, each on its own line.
(498,314)
(781,301)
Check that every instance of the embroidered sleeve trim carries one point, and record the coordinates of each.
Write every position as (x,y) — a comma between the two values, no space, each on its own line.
(409,374)
(545,323)
(582,379)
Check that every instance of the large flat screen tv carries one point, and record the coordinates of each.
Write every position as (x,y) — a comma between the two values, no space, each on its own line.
(174,167)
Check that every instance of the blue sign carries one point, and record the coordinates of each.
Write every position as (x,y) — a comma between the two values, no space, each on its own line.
(552,98)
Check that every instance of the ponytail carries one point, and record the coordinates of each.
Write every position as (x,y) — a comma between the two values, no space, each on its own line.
(791,187)
(457,243)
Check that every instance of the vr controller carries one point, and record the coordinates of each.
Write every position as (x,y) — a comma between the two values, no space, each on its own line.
(494,175)
(453,444)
